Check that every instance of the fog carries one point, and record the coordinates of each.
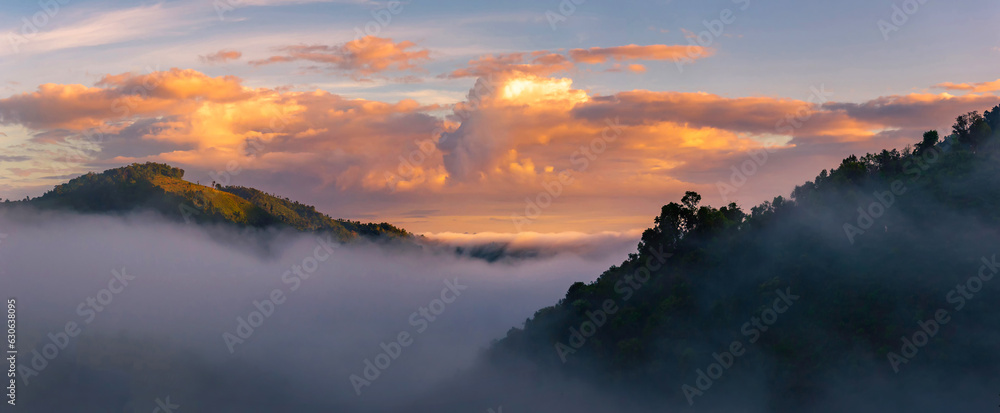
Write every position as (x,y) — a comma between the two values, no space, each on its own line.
(162,334)
(179,333)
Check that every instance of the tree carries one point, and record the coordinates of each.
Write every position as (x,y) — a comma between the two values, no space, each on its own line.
(931,139)
(972,129)
(992,117)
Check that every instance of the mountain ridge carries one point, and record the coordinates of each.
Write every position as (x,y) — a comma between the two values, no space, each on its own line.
(161,188)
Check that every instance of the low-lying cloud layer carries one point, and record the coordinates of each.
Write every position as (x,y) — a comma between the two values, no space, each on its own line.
(154,302)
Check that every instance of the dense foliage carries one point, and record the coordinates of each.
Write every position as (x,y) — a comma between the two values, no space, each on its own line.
(871,247)
(306,217)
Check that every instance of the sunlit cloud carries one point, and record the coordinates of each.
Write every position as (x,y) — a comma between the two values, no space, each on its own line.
(358,58)
(538,63)
(545,63)
(519,129)
(980,87)
(221,56)
(636,52)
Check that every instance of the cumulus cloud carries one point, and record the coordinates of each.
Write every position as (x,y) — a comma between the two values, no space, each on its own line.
(221,56)
(522,126)
(359,58)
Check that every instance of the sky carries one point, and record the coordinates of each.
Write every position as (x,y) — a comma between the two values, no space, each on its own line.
(466,117)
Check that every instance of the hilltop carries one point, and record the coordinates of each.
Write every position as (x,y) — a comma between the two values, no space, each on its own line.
(162,188)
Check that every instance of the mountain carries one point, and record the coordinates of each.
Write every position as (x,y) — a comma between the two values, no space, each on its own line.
(873,279)
(160,187)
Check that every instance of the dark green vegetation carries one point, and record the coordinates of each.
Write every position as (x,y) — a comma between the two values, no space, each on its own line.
(159,187)
(866,276)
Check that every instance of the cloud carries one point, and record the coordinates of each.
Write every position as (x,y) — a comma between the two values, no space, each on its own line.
(358,58)
(546,63)
(746,114)
(116,97)
(221,56)
(128,24)
(518,131)
(189,118)
(635,52)
(187,286)
(5,158)
(537,63)
(980,87)
(915,112)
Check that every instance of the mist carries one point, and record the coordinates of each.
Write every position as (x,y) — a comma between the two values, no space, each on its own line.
(172,292)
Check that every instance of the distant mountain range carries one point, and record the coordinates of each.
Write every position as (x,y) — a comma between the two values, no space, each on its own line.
(160,187)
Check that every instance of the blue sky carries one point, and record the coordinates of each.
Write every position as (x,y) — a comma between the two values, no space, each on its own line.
(775,48)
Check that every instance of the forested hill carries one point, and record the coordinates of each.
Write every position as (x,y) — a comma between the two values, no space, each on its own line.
(160,187)
(819,290)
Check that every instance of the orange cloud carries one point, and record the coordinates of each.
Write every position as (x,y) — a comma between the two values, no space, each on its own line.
(546,63)
(117,97)
(186,117)
(221,56)
(749,114)
(517,134)
(912,113)
(634,68)
(359,58)
(636,52)
(980,87)
(538,63)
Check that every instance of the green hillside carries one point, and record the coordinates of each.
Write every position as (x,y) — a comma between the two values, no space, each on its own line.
(160,187)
